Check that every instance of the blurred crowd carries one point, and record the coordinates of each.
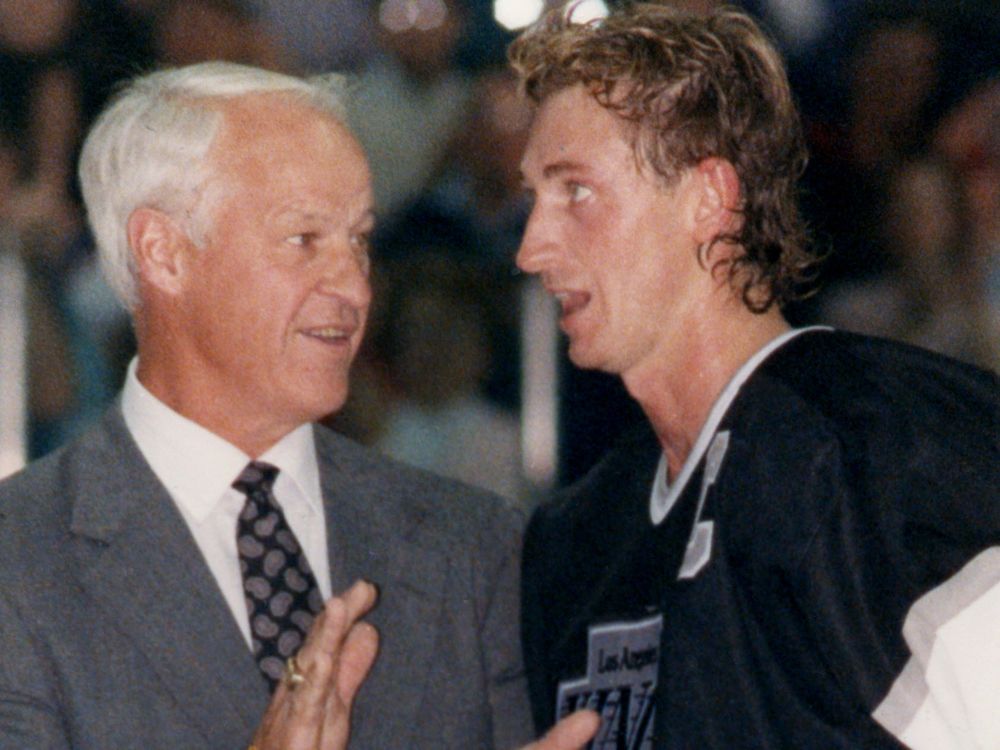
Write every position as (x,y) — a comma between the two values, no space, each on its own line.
(901,102)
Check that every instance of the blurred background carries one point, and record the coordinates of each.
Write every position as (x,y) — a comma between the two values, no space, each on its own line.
(463,371)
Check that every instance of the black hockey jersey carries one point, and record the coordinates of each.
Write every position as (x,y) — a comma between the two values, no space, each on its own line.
(820,581)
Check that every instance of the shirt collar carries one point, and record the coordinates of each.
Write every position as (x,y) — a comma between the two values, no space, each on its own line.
(197,466)
(295,455)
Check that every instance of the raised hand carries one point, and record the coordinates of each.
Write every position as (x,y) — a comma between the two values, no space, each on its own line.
(311,709)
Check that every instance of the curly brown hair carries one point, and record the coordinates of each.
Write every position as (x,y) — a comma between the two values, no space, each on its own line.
(694,87)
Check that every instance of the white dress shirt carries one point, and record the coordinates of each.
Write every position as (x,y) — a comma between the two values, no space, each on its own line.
(197,468)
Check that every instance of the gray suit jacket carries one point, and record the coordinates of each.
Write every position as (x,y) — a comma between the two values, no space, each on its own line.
(113,633)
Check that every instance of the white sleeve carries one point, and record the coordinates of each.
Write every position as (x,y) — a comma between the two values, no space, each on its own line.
(948,694)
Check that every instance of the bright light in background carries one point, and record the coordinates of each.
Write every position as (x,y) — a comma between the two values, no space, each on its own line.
(403,15)
(589,10)
(516,14)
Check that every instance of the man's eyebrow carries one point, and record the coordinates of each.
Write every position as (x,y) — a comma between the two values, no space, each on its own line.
(555,169)
(308,215)
(296,214)
(561,167)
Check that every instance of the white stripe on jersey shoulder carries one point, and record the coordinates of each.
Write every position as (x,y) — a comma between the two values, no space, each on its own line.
(948,694)
(664,495)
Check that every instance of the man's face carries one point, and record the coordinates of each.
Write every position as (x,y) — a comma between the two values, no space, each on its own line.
(274,305)
(610,241)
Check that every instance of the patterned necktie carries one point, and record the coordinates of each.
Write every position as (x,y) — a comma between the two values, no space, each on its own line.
(281,592)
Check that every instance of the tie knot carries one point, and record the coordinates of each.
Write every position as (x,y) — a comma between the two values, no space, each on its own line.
(256,477)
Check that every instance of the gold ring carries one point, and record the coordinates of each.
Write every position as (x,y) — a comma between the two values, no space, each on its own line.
(292,676)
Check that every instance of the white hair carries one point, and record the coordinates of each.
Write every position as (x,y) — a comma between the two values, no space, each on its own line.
(149,146)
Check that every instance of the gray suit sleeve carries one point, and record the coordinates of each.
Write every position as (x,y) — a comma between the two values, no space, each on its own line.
(29,713)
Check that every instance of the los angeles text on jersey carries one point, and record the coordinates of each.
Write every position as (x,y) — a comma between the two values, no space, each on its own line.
(620,685)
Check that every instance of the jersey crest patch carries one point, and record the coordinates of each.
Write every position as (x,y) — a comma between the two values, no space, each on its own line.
(622,661)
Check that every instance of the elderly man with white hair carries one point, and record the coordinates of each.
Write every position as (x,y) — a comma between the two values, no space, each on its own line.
(175,569)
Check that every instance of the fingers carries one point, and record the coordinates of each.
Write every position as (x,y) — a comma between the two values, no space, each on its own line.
(308,699)
(572,733)
(333,624)
(335,659)
(359,600)
(356,659)
(356,644)
(295,717)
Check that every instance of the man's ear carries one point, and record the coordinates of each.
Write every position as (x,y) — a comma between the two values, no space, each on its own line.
(160,248)
(717,211)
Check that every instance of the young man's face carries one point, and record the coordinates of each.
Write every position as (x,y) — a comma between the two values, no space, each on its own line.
(609,239)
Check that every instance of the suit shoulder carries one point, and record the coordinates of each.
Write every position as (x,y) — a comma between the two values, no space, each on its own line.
(455,509)
(35,516)
(36,490)
(47,484)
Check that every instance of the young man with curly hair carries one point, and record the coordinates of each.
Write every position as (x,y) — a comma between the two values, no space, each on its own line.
(802,547)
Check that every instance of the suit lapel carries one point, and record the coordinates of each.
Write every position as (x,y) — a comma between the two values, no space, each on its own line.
(139,563)
(375,535)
